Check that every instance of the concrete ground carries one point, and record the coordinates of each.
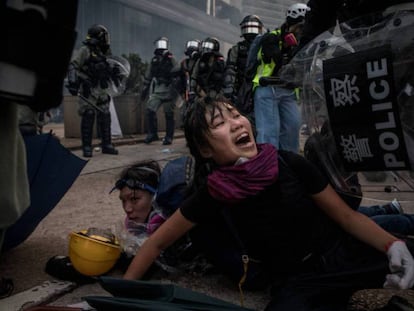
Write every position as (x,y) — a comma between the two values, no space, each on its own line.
(88,204)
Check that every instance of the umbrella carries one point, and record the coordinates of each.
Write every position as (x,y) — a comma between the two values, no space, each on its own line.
(51,169)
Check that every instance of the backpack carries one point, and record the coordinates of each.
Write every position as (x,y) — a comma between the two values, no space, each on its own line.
(175,177)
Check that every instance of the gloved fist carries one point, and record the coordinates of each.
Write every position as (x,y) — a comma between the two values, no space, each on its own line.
(401,265)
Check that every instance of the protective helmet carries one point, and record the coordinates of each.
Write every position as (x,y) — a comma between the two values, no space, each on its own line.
(98,35)
(192,46)
(296,13)
(210,44)
(161,43)
(93,252)
(251,24)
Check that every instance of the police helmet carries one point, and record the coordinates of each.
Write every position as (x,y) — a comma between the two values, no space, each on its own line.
(251,24)
(98,35)
(210,44)
(161,43)
(296,13)
(192,46)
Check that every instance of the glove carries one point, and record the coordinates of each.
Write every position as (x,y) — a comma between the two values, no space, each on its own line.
(401,265)
(116,74)
(73,88)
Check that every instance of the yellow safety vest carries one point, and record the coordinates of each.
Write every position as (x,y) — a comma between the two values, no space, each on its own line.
(265,70)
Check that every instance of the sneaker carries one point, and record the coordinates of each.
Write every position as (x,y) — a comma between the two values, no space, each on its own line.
(394,207)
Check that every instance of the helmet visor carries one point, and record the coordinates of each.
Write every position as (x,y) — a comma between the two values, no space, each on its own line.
(251,27)
(207,46)
(161,44)
(192,44)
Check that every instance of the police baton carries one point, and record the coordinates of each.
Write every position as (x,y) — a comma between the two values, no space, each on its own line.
(91,104)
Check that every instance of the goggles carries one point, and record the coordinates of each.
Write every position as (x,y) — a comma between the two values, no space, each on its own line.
(132,184)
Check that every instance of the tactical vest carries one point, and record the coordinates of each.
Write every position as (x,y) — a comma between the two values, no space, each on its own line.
(211,72)
(97,69)
(242,52)
(161,67)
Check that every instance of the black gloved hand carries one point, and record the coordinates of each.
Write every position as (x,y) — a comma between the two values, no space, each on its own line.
(270,47)
(73,88)
(116,75)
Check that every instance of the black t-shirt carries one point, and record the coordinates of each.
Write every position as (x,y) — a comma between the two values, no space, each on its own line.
(281,224)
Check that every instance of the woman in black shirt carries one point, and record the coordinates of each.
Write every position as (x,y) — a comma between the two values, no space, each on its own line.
(316,248)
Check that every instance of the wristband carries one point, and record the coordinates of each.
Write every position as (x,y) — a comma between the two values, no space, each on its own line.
(388,245)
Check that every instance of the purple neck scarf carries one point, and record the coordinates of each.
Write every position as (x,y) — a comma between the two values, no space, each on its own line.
(231,184)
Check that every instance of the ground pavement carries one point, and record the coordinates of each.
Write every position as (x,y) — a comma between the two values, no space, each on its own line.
(88,204)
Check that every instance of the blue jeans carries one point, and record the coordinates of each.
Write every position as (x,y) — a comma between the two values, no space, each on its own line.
(277,117)
(394,223)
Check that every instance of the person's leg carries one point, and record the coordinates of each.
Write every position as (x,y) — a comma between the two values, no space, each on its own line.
(266,116)
(169,107)
(153,104)
(104,123)
(393,207)
(401,224)
(290,120)
(87,121)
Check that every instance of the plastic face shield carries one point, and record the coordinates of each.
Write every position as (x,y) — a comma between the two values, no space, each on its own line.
(207,46)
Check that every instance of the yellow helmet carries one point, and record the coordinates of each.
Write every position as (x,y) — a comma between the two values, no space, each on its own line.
(93,253)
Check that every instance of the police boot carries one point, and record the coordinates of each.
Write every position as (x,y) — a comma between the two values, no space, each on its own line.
(104,121)
(152,126)
(169,135)
(87,120)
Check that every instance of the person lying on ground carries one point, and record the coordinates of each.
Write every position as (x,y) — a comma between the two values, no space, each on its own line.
(316,249)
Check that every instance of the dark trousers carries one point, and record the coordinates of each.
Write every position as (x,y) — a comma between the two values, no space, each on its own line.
(330,279)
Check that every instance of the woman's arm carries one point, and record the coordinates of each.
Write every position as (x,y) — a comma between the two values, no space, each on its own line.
(353,222)
(400,261)
(169,232)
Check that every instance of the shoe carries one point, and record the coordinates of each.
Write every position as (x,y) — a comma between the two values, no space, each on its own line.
(394,207)
(109,149)
(150,138)
(87,151)
(61,268)
(167,141)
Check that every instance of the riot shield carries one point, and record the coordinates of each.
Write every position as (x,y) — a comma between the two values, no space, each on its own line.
(357,92)
(125,70)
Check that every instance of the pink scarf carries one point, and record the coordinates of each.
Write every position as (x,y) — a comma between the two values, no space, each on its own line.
(231,184)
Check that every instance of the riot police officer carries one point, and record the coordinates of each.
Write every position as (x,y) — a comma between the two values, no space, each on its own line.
(208,75)
(236,86)
(89,77)
(192,53)
(158,84)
